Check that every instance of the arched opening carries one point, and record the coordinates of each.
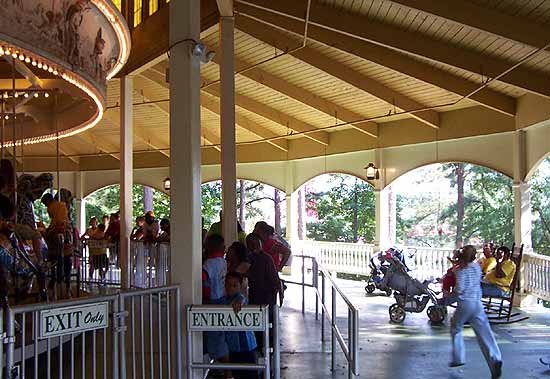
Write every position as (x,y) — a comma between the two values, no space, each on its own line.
(106,200)
(540,207)
(256,201)
(338,208)
(453,204)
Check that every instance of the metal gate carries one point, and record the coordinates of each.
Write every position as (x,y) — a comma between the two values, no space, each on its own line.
(140,337)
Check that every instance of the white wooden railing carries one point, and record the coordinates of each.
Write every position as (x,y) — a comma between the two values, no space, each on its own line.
(536,275)
(425,263)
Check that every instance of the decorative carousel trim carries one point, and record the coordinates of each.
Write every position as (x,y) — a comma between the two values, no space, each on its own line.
(111,12)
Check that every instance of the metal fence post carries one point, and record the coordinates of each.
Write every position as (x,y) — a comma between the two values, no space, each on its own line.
(10,341)
(303,284)
(316,285)
(179,336)
(276,344)
(355,345)
(1,341)
(333,310)
(323,307)
(121,329)
(350,342)
(115,338)
(267,371)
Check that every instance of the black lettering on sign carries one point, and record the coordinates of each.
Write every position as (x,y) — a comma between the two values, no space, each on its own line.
(49,324)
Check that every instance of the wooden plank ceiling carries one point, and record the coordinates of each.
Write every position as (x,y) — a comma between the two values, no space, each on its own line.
(365,63)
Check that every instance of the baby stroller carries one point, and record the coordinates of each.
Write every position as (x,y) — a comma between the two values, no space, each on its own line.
(379,266)
(410,295)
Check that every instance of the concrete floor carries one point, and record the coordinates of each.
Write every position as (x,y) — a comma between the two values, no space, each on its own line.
(415,349)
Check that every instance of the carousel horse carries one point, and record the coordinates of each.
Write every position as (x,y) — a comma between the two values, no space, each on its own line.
(29,189)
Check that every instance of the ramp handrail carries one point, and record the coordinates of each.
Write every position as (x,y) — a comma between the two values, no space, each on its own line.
(350,349)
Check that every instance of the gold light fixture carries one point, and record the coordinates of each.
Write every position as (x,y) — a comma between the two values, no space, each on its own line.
(373,172)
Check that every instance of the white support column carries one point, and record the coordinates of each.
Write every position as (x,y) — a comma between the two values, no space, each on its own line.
(385,208)
(291,203)
(522,197)
(80,221)
(126,177)
(227,110)
(185,157)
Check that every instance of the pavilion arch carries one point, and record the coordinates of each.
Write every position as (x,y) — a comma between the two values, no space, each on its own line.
(343,172)
(473,162)
(247,179)
(536,166)
(86,194)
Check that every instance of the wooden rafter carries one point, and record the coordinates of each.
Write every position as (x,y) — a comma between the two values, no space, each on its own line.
(513,28)
(388,58)
(212,104)
(334,68)
(101,145)
(415,44)
(158,78)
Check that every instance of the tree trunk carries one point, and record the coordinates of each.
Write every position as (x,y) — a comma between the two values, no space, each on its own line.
(277,201)
(301,215)
(355,213)
(459,205)
(147,199)
(242,203)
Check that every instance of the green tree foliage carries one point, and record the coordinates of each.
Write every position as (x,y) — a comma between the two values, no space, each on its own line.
(344,209)
(106,201)
(540,206)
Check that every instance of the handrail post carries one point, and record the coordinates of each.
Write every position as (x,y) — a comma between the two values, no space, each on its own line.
(350,343)
(115,339)
(303,284)
(316,285)
(355,342)
(323,307)
(333,324)
(276,344)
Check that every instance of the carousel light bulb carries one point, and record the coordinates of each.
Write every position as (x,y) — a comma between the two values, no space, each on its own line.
(36,94)
(21,57)
(34,63)
(16,95)
(50,69)
(45,67)
(7,117)
(46,95)
(14,54)
(55,72)
(26,95)
(1,50)
(27,60)
(6,95)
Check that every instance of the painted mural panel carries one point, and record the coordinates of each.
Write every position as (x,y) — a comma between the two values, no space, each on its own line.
(72,31)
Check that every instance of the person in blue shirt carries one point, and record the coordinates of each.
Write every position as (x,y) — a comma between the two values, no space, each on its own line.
(241,345)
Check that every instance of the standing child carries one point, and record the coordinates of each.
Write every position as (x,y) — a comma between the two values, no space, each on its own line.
(241,345)
(213,286)
(98,252)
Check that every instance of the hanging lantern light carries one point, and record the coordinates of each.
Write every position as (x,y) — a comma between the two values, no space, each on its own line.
(373,173)
(167,184)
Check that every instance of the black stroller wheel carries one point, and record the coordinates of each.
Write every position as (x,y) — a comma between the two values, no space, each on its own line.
(436,314)
(397,314)
(369,288)
(389,292)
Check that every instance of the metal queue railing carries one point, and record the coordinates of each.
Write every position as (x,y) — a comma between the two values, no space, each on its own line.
(349,349)
(131,334)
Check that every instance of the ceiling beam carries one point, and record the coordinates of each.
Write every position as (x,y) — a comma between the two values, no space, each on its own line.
(416,44)
(100,145)
(307,98)
(274,37)
(63,150)
(274,115)
(513,28)
(212,104)
(253,106)
(159,79)
(388,58)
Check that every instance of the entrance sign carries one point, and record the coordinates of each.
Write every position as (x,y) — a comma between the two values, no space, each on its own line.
(224,318)
(80,318)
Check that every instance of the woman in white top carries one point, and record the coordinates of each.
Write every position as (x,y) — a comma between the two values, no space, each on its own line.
(470,310)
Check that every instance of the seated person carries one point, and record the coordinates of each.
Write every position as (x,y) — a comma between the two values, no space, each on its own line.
(497,282)
(488,262)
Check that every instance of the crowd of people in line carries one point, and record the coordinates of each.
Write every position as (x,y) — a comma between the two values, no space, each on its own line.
(247,272)
(466,283)
(103,238)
